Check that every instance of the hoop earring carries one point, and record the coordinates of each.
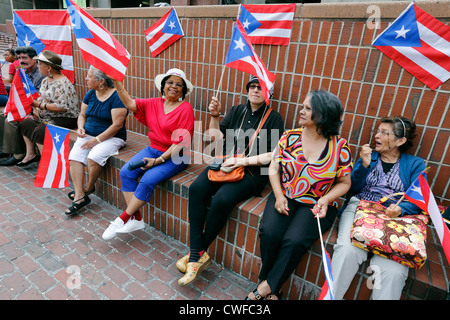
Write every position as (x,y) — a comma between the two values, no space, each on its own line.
(180,99)
(101,86)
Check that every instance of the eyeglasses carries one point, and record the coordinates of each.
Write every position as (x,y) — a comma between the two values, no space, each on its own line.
(254,86)
(171,83)
(384,133)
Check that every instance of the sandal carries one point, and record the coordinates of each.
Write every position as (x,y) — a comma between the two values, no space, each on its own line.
(75,206)
(71,194)
(257,295)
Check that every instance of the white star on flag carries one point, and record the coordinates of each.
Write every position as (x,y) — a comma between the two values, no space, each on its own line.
(172,24)
(402,32)
(239,44)
(56,138)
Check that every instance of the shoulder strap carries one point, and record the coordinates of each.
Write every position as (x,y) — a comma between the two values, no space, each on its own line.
(269,110)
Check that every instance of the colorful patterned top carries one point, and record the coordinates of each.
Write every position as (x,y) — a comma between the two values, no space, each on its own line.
(307,182)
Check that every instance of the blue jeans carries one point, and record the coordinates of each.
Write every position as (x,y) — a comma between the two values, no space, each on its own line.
(143,188)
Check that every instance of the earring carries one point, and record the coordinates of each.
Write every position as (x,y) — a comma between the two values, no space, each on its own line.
(180,99)
(164,97)
(50,74)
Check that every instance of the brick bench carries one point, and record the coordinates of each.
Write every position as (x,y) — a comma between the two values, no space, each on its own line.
(237,246)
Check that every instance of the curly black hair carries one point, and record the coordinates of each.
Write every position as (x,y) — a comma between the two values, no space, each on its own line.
(327,111)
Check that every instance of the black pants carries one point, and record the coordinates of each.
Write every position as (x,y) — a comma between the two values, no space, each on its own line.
(204,225)
(285,239)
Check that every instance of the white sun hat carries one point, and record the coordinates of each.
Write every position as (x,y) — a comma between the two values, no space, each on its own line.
(173,72)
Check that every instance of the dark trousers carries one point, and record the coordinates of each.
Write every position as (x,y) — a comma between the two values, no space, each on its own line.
(285,239)
(10,137)
(206,225)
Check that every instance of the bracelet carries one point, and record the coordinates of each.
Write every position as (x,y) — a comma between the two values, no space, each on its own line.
(162,159)
(215,116)
(40,105)
(98,140)
(45,106)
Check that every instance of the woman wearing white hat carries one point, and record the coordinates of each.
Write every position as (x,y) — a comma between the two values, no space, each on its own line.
(170,120)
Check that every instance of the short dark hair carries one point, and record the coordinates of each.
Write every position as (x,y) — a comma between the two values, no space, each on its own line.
(403,128)
(27,50)
(163,83)
(326,112)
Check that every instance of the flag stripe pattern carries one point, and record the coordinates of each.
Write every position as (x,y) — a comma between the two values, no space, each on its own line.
(420,44)
(22,94)
(53,171)
(273,23)
(327,292)
(98,47)
(52,28)
(157,37)
(420,194)
(242,56)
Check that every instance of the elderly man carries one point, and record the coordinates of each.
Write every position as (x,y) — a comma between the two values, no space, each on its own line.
(12,140)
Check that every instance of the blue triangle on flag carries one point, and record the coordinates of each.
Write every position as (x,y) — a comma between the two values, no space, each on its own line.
(403,32)
(25,36)
(239,48)
(172,24)
(79,28)
(58,136)
(249,22)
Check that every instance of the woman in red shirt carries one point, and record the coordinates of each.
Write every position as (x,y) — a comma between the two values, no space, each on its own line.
(170,120)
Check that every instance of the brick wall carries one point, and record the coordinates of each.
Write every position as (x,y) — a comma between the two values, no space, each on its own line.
(330,48)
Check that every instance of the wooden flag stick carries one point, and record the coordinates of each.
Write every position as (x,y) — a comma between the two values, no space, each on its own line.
(220,82)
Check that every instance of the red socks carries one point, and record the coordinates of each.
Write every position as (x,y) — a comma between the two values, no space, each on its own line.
(125,216)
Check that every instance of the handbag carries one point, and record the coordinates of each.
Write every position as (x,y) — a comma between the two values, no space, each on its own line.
(401,239)
(237,173)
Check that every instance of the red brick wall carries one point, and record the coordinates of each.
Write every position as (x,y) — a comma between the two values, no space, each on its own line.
(330,48)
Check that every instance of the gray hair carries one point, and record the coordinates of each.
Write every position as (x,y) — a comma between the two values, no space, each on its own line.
(99,75)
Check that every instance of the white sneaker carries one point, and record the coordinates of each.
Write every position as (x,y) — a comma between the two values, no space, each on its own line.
(132,225)
(111,231)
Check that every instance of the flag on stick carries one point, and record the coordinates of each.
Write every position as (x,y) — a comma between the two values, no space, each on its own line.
(46,30)
(242,56)
(21,95)
(420,44)
(53,171)
(164,32)
(420,194)
(268,24)
(98,47)
(327,292)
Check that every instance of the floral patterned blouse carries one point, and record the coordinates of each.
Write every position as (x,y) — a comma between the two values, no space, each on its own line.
(307,182)
(62,93)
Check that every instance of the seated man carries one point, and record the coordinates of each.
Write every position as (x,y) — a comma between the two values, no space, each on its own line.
(12,141)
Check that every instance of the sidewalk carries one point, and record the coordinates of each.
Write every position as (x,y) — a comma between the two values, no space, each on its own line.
(47,256)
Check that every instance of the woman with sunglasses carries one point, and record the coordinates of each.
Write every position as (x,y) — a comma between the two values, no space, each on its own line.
(381,171)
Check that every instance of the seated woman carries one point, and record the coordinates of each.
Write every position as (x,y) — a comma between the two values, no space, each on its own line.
(101,133)
(57,105)
(385,170)
(170,120)
(310,169)
(235,127)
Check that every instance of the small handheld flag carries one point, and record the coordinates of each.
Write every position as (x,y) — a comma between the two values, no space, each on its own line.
(53,171)
(164,32)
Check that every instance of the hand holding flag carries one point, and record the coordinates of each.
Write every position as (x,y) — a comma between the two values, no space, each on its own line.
(98,47)
(242,56)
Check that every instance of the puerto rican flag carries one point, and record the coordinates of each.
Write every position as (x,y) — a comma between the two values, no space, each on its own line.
(164,32)
(21,96)
(420,44)
(420,194)
(98,47)
(46,30)
(242,56)
(268,24)
(53,171)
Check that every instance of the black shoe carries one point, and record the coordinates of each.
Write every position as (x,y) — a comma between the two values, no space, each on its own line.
(11,161)
(23,164)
